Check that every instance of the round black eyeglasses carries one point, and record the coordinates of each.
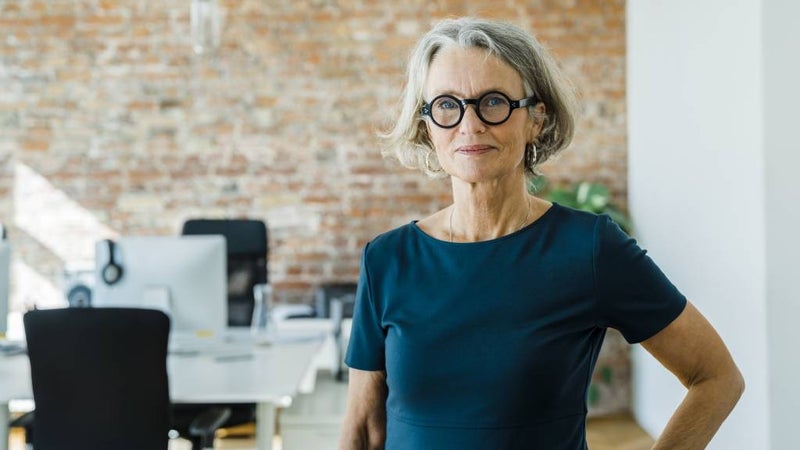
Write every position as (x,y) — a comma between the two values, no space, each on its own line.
(493,108)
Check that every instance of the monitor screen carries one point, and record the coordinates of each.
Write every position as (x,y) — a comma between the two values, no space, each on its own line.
(5,269)
(185,276)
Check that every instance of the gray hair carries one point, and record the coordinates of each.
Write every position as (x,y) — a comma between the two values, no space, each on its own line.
(408,140)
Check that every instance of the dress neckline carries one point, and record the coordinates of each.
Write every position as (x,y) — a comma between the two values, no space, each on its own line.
(522,230)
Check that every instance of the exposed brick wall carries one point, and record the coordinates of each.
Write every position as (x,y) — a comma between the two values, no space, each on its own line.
(110,124)
(106,101)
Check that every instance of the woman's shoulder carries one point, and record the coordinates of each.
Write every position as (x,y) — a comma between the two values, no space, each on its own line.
(399,241)
(390,241)
(566,215)
(433,225)
(430,225)
(573,225)
(560,217)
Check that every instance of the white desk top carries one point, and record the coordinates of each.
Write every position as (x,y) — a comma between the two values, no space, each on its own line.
(265,374)
(243,372)
(15,376)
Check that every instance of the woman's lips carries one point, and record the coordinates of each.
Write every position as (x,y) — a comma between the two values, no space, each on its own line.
(474,149)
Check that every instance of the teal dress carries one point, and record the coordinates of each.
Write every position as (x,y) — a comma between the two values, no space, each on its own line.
(491,345)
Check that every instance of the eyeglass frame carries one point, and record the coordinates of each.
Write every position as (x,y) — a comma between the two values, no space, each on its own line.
(425,110)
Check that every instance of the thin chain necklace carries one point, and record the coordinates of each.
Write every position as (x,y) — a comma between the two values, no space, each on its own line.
(524,222)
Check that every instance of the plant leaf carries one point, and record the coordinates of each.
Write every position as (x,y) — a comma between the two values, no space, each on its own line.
(562,197)
(537,184)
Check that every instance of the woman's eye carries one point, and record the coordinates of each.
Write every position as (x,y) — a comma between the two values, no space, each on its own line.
(447,104)
(495,101)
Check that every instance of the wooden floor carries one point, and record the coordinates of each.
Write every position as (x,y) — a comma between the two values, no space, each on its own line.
(617,433)
(607,433)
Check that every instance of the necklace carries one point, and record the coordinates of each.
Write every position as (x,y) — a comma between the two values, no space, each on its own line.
(524,222)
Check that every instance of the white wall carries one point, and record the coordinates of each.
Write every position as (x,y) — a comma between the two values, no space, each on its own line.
(698,193)
(782,163)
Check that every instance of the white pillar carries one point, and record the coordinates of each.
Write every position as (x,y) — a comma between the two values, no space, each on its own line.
(713,132)
(781,67)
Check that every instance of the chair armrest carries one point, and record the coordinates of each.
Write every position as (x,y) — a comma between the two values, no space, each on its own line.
(24,421)
(205,424)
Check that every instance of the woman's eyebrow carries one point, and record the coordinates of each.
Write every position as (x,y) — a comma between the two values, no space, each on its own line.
(460,95)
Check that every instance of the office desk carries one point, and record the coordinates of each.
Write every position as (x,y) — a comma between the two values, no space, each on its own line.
(266,376)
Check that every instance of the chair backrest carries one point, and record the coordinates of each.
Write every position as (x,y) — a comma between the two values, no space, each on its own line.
(247,260)
(345,292)
(99,378)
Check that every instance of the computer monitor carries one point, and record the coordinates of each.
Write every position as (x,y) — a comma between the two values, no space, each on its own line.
(185,276)
(5,269)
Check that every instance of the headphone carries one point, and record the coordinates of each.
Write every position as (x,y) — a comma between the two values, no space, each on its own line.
(111,273)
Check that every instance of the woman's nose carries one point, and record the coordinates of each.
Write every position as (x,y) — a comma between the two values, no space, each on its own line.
(471,123)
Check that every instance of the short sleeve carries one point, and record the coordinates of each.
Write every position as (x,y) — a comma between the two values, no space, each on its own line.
(366,348)
(633,294)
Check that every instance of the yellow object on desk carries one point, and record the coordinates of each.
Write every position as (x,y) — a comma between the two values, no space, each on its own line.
(204,333)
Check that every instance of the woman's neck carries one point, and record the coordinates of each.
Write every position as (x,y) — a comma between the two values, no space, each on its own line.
(484,211)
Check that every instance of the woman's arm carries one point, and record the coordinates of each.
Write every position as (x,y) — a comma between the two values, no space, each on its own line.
(692,350)
(364,426)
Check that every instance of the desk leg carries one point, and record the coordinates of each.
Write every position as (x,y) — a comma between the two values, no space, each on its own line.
(4,421)
(265,425)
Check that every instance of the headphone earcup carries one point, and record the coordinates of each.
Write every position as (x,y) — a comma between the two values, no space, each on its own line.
(111,273)
(79,296)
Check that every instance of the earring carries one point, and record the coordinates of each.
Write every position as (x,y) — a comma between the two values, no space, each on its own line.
(531,156)
(427,162)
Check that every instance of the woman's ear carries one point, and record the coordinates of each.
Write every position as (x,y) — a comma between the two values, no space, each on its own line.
(425,132)
(537,121)
(423,128)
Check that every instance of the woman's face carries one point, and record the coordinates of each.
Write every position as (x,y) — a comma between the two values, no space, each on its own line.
(472,150)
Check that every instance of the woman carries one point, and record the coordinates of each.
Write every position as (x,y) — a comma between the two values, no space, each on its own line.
(478,327)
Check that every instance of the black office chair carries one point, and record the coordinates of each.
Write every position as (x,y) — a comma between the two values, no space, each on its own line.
(99,378)
(247,266)
(247,260)
(327,293)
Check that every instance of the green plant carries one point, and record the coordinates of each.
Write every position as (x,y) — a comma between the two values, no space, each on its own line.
(586,196)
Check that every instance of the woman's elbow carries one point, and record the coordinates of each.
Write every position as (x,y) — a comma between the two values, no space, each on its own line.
(731,385)
(738,383)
